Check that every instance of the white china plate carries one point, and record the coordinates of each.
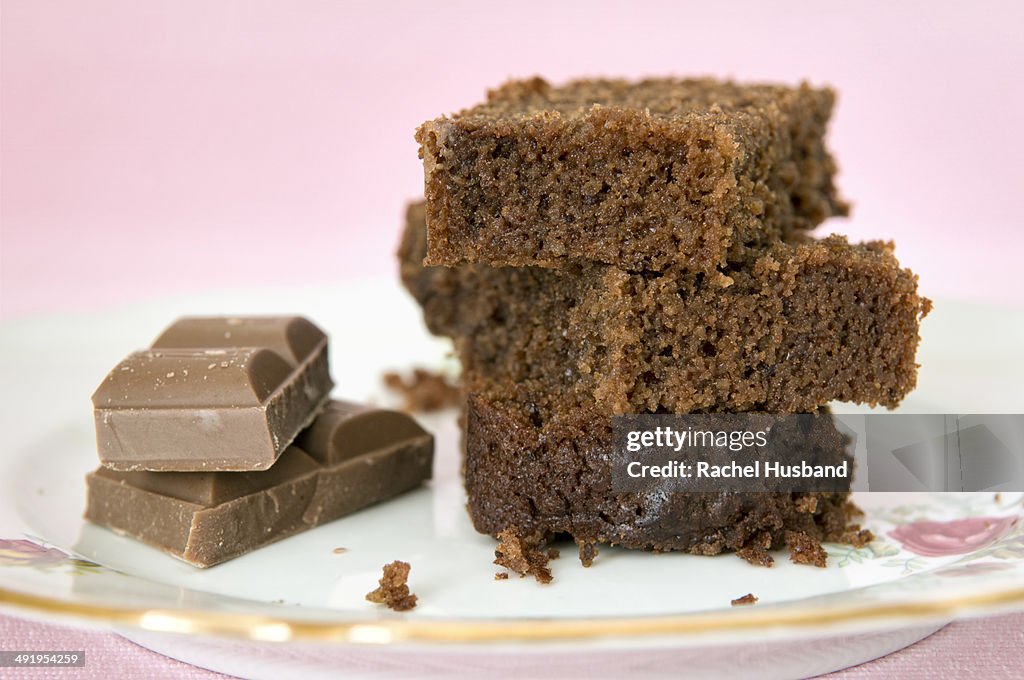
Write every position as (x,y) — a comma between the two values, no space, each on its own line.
(297,607)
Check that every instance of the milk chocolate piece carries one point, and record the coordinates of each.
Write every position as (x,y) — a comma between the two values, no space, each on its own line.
(358,456)
(368,455)
(205,518)
(224,394)
(293,337)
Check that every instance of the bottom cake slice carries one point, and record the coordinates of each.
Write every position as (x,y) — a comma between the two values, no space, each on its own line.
(542,474)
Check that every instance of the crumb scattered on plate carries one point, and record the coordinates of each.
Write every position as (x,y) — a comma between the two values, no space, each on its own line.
(756,550)
(805,549)
(588,551)
(394,588)
(523,555)
(856,536)
(424,390)
(747,599)
(340,551)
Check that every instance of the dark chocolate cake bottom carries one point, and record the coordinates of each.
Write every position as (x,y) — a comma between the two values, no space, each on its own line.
(542,475)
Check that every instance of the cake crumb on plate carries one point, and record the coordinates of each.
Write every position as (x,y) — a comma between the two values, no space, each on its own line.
(424,391)
(523,555)
(394,588)
(804,549)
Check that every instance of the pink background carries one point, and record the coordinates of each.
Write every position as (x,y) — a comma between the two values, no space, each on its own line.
(153,148)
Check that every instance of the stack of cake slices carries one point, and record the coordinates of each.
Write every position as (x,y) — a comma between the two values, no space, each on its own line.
(611,247)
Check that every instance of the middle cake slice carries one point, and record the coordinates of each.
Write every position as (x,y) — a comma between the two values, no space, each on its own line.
(792,328)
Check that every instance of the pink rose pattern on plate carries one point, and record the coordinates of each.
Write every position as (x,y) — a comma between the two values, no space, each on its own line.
(974,569)
(24,553)
(954,537)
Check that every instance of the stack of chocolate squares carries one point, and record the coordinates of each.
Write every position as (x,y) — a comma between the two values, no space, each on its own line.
(611,247)
(222,438)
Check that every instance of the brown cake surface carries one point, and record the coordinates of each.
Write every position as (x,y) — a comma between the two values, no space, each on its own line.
(544,472)
(788,330)
(442,292)
(641,175)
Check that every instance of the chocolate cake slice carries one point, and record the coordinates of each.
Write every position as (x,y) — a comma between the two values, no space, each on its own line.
(640,175)
(544,471)
(793,327)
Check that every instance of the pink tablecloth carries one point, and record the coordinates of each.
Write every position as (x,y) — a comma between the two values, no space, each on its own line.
(985,648)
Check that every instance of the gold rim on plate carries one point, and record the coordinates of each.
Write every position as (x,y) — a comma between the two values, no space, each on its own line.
(274,629)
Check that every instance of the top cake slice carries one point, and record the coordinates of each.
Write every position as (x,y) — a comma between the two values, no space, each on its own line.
(641,175)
